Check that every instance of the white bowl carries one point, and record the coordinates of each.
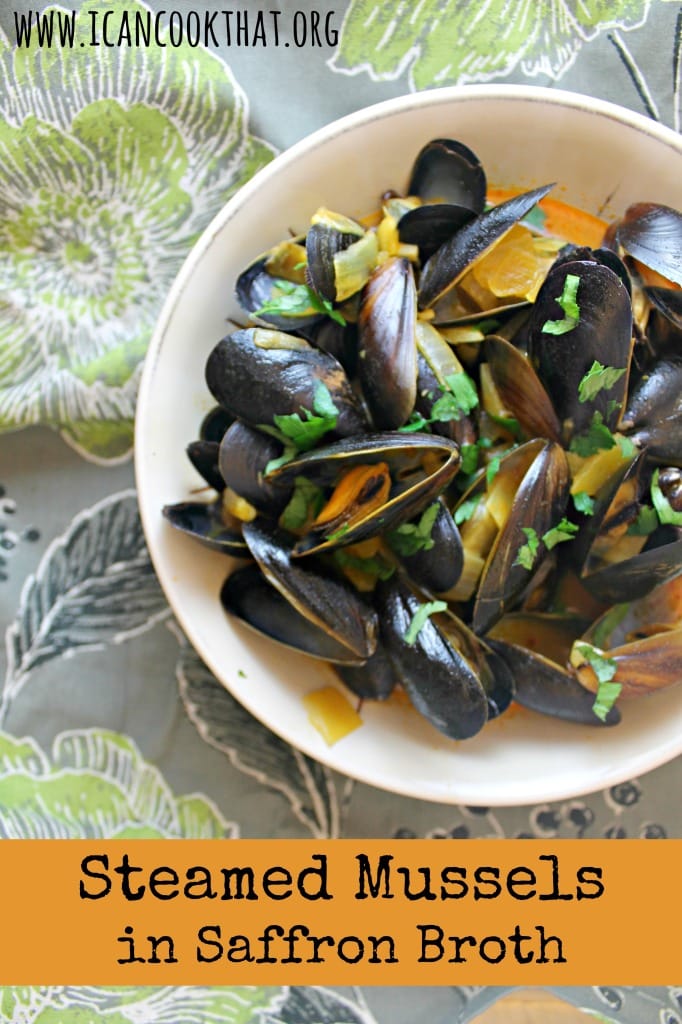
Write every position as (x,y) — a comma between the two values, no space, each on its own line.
(603,158)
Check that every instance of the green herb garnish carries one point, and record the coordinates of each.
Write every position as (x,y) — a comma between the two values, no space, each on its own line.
(465,511)
(376,566)
(568,302)
(338,534)
(597,438)
(667,515)
(493,468)
(604,669)
(528,552)
(299,432)
(458,400)
(598,378)
(420,618)
(628,448)
(564,531)
(415,423)
(583,503)
(305,503)
(645,523)
(409,538)
(298,300)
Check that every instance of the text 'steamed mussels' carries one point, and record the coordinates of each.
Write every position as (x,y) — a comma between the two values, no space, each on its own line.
(449,446)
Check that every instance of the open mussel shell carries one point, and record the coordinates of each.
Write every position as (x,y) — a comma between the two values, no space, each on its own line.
(653,417)
(616,507)
(437,677)
(204,457)
(429,390)
(603,332)
(447,171)
(340,255)
(244,454)
(322,598)
(247,595)
(493,672)
(435,568)
(539,504)
(429,226)
(652,233)
(204,522)
(412,487)
(257,373)
(643,640)
(542,681)
(256,287)
(442,271)
(521,390)
(668,302)
(387,364)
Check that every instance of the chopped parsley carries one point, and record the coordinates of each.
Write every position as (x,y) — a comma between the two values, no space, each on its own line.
(299,432)
(598,378)
(564,531)
(298,300)
(583,503)
(458,400)
(528,552)
(469,453)
(465,511)
(598,437)
(338,534)
(645,523)
(409,538)
(305,503)
(664,510)
(420,619)
(627,447)
(493,468)
(569,303)
(604,669)
(376,566)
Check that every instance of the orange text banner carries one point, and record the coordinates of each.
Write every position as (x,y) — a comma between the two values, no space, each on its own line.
(418,912)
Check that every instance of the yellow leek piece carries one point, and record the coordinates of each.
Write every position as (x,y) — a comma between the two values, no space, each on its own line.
(331,714)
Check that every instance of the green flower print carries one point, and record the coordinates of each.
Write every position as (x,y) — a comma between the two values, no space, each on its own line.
(96,785)
(130,1005)
(112,161)
(455,43)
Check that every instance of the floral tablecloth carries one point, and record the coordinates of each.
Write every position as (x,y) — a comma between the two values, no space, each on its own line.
(114,155)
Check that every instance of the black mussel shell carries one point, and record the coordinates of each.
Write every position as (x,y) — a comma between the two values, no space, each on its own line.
(437,678)
(387,363)
(521,390)
(327,601)
(336,340)
(652,233)
(204,522)
(248,595)
(214,424)
(324,240)
(659,561)
(375,680)
(653,416)
(543,686)
(244,454)
(255,286)
(435,568)
(204,457)
(428,227)
(257,373)
(668,302)
(539,504)
(463,430)
(603,332)
(442,271)
(447,171)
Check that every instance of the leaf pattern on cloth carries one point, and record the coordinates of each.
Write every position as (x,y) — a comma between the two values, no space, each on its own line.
(138,1005)
(222,722)
(319,1006)
(452,43)
(95,784)
(112,161)
(94,586)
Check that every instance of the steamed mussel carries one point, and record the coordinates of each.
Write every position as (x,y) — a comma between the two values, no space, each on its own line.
(447,449)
